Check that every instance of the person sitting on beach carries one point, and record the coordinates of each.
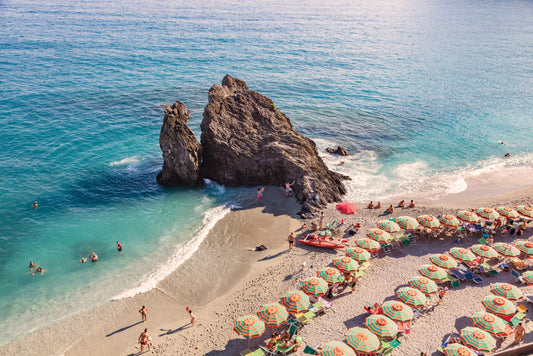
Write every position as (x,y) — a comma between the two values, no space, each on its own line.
(497,224)
(371,205)
(352,229)
(455,340)
(286,338)
(401,204)
(378,206)
(314,226)
(38,270)
(442,293)
(94,257)
(412,204)
(296,344)
(390,209)
(83,260)
(32,265)
(271,343)
(304,227)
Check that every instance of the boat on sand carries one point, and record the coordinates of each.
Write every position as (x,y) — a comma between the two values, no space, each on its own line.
(323,241)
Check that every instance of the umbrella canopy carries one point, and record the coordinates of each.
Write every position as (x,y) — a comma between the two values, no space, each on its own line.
(249,325)
(507,212)
(389,226)
(273,314)
(506,249)
(458,350)
(433,272)
(295,301)
(412,297)
(330,275)
(489,322)
(525,246)
(337,348)
(478,339)
(462,254)
(407,223)
(345,264)
(525,210)
(488,213)
(382,326)
(362,340)
(423,284)
(506,290)
(443,261)
(397,311)
(484,251)
(314,286)
(368,244)
(467,216)
(528,277)
(449,221)
(378,235)
(347,208)
(357,253)
(428,221)
(499,305)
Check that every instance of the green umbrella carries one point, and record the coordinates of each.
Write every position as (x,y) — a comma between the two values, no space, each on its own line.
(389,226)
(462,254)
(249,325)
(295,301)
(362,340)
(423,284)
(330,275)
(506,249)
(397,311)
(368,244)
(489,322)
(449,221)
(458,350)
(345,264)
(478,339)
(525,210)
(337,348)
(528,277)
(411,296)
(506,290)
(314,286)
(433,272)
(382,326)
(407,223)
(428,221)
(443,261)
(484,251)
(467,216)
(500,306)
(378,235)
(507,212)
(487,213)
(273,314)
(525,246)
(357,253)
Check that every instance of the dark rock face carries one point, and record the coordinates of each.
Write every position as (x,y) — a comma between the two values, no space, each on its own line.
(181,150)
(338,151)
(246,140)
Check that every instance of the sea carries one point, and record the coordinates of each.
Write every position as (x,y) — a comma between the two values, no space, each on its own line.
(424,95)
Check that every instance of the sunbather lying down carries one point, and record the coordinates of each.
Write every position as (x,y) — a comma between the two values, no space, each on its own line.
(375,309)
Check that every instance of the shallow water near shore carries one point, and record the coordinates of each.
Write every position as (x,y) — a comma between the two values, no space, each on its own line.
(419,93)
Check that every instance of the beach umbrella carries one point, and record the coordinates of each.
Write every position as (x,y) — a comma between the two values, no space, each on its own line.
(389,226)
(423,284)
(412,297)
(345,264)
(337,348)
(524,210)
(499,305)
(507,212)
(449,221)
(506,249)
(462,254)
(528,277)
(489,322)
(330,275)
(346,208)
(467,216)
(368,244)
(478,339)
(314,286)
(458,350)
(295,301)
(378,235)
(428,221)
(397,311)
(407,222)
(488,213)
(525,246)
(506,290)
(273,314)
(433,272)
(250,326)
(382,326)
(362,340)
(357,253)
(484,251)
(443,261)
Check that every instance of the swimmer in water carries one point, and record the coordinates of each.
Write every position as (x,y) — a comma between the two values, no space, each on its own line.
(94,257)
(507,155)
(32,265)
(35,205)
(119,247)
(83,260)
(39,269)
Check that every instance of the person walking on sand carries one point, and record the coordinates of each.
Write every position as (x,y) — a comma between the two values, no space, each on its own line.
(144,339)
(519,333)
(143,311)
(291,241)
(119,246)
(193,318)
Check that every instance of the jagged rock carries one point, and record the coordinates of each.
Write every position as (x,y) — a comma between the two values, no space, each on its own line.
(246,140)
(338,151)
(181,151)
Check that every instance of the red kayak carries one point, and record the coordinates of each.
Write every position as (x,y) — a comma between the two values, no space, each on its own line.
(325,242)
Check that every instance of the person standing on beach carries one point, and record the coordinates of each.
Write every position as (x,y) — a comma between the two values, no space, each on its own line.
(288,189)
(321,220)
(291,240)
(519,333)
(144,339)
(143,312)
(260,195)
(193,318)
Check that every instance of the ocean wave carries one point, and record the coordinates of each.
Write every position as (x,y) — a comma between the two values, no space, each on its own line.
(128,160)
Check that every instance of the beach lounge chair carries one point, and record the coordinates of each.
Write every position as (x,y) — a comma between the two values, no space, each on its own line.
(514,321)
(456,273)
(308,350)
(521,308)
(455,284)
(520,316)
(518,277)
(364,266)
(387,249)
(306,317)
(330,225)
(267,351)
(519,264)
(258,352)
(482,241)
(444,343)
(360,274)
(477,279)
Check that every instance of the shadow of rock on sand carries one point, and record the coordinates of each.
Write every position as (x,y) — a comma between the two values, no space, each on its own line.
(270,257)
(123,329)
(170,331)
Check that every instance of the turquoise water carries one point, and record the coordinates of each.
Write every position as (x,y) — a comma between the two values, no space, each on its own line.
(420,92)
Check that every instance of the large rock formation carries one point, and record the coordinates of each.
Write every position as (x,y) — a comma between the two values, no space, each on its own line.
(181,150)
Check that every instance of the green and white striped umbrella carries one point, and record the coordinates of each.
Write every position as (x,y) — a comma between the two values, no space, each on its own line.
(295,301)
(397,311)
(458,350)
(449,221)
(382,326)
(423,284)
(525,246)
(378,235)
(428,221)
(467,216)
(500,306)
(506,290)
(362,340)
(506,249)
(507,212)
(273,314)
(478,339)
(249,325)
(484,251)
(357,253)
(489,322)
(389,226)
(488,213)
(433,272)
(411,296)
(462,254)
(314,286)
(368,244)
(525,210)
(443,261)
(330,275)
(528,277)
(345,264)
(407,223)
(337,348)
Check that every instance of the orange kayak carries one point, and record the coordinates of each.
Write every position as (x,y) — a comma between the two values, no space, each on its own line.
(324,242)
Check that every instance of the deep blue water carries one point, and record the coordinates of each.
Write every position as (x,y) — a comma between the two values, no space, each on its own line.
(420,92)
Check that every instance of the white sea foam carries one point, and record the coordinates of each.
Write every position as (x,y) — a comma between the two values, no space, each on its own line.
(180,254)
(128,160)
